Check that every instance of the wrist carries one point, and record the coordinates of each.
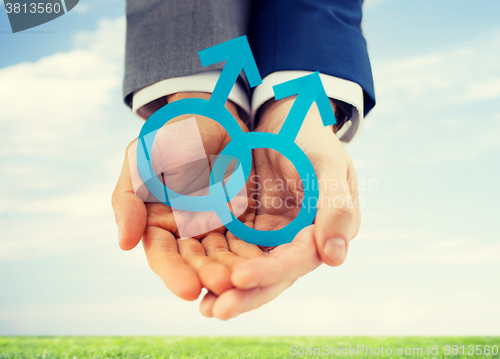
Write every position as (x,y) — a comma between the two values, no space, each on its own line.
(273,114)
(147,110)
(231,106)
(183,95)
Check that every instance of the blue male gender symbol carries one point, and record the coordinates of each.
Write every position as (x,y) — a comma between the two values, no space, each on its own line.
(238,56)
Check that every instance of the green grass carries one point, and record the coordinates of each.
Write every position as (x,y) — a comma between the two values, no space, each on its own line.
(226,347)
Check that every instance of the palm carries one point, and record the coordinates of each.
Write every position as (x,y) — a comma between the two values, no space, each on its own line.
(183,164)
(279,199)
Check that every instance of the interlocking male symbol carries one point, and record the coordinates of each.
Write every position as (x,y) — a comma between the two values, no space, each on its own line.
(238,56)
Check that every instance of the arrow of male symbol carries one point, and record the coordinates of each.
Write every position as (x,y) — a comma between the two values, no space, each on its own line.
(238,56)
(308,89)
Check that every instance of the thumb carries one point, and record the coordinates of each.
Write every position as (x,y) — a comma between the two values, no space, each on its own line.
(130,211)
(338,219)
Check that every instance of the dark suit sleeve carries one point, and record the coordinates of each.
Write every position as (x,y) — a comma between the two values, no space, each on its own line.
(164,37)
(312,35)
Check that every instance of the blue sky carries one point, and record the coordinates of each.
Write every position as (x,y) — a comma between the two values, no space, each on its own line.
(427,259)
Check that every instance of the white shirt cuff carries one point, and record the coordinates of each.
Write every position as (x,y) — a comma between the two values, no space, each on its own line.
(335,88)
(201,82)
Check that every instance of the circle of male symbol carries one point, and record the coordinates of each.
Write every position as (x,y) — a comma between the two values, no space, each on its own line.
(308,89)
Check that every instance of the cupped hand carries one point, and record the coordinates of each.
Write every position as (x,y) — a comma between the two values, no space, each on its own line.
(260,280)
(188,251)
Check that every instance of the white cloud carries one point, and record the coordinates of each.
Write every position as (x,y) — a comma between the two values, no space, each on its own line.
(59,146)
(424,247)
(483,254)
(369,4)
(394,313)
(463,75)
(47,105)
(434,108)
(82,9)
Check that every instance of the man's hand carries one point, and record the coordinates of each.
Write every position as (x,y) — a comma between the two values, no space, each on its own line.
(260,280)
(185,265)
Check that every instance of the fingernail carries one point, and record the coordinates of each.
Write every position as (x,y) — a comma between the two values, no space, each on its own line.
(120,233)
(336,249)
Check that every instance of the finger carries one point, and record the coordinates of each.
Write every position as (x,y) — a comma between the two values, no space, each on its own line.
(130,211)
(164,259)
(214,276)
(234,302)
(287,262)
(217,248)
(352,179)
(207,304)
(241,248)
(338,219)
